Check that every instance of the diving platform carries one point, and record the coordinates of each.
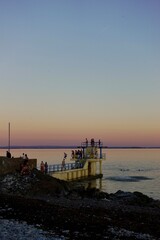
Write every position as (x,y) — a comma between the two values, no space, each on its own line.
(86,163)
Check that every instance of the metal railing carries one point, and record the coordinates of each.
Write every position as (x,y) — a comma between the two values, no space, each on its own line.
(67,166)
(79,163)
(91,144)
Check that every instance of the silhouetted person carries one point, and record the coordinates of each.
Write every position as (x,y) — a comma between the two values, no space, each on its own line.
(46,168)
(92,142)
(65,155)
(63,164)
(86,142)
(42,166)
(8,154)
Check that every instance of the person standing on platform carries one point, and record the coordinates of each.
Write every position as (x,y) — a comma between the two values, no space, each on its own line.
(63,164)
(86,142)
(92,142)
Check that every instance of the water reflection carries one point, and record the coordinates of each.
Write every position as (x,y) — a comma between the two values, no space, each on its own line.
(95,183)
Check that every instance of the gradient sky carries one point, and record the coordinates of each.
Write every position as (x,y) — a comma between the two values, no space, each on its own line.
(75,69)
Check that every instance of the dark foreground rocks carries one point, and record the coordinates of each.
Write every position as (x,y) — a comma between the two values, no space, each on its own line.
(78,213)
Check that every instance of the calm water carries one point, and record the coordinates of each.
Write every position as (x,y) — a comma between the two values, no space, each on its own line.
(124,169)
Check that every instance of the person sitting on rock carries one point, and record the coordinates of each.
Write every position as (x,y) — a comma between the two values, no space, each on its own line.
(25,170)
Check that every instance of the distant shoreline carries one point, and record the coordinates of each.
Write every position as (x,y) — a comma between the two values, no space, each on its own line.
(71,147)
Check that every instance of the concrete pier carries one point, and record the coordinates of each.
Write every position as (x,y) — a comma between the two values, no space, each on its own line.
(88,163)
(89,169)
(10,165)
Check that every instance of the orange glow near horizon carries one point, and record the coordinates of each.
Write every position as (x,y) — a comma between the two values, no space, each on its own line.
(111,137)
(112,129)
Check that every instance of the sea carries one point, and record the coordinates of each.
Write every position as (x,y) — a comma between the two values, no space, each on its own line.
(128,170)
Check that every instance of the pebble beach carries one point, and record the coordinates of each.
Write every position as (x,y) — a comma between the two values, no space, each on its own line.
(39,207)
(13,229)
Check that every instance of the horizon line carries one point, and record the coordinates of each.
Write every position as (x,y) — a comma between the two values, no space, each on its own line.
(71,146)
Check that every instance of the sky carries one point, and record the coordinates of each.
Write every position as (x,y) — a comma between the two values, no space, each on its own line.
(71,70)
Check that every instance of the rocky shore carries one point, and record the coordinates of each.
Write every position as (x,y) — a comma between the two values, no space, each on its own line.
(53,209)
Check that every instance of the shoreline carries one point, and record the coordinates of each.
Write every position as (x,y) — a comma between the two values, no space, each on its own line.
(77,213)
(84,220)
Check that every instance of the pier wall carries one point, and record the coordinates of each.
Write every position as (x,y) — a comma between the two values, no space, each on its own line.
(10,165)
(88,170)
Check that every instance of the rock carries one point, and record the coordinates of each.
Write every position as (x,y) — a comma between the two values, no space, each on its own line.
(33,185)
(74,212)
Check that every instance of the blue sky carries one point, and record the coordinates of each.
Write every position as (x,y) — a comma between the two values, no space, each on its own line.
(76,69)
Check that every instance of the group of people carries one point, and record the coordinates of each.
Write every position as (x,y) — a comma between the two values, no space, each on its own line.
(78,154)
(44,167)
(93,142)
(24,156)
